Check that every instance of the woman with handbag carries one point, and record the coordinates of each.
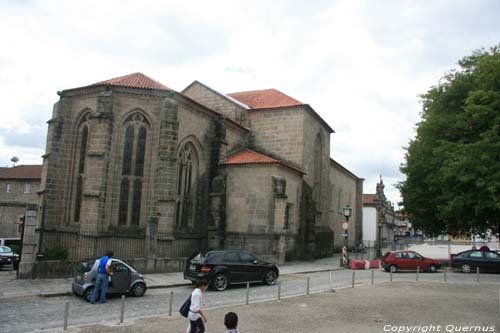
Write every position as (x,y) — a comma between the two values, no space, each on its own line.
(196,315)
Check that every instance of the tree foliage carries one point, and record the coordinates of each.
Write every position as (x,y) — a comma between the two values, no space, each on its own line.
(452,166)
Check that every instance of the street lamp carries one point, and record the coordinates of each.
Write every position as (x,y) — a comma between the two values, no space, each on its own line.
(347,214)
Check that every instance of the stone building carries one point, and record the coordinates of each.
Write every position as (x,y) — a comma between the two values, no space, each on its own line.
(18,188)
(132,165)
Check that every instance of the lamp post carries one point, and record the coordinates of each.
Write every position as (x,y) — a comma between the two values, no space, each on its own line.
(345,225)
(379,224)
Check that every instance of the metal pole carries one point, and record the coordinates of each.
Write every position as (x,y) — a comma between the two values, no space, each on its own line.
(66,314)
(418,272)
(449,251)
(307,287)
(122,309)
(248,293)
(331,281)
(445,278)
(353,273)
(477,270)
(391,275)
(170,303)
(279,290)
(373,276)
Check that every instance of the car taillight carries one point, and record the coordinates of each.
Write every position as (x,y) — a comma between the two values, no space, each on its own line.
(205,269)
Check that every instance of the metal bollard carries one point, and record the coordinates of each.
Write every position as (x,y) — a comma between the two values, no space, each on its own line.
(445,278)
(477,270)
(418,272)
(170,303)
(353,274)
(248,293)
(331,281)
(66,314)
(279,290)
(307,287)
(391,275)
(373,276)
(122,309)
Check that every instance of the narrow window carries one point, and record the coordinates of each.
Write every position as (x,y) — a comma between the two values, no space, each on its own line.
(7,188)
(26,188)
(133,164)
(187,171)
(80,173)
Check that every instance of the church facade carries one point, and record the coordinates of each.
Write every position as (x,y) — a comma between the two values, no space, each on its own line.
(134,166)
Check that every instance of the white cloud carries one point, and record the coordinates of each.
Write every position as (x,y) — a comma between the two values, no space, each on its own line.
(360,64)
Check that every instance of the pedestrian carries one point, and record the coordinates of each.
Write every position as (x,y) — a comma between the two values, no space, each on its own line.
(196,315)
(231,322)
(103,275)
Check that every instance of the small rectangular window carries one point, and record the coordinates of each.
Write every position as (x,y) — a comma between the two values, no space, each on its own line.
(26,188)
(7,188)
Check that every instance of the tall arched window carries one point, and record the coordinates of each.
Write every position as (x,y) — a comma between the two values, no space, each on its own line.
(187,174)
(132,171)
(318,151)
(83,138)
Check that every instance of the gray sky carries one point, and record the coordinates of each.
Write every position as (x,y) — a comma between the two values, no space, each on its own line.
(360,64)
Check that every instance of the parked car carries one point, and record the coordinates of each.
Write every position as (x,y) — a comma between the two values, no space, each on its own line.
(222,268)
(408,260)
(8,258)
(468,261)
(125,279)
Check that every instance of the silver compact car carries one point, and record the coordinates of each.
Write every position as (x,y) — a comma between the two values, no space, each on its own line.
(125,279)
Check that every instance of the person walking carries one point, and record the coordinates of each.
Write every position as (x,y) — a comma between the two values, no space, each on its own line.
(196,315)
(103,274)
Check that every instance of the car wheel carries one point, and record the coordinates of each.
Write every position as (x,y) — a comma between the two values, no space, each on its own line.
(432,268)
(88,293)
(220,282)
(466,268)
(270,278)
(139,289)
(393,268)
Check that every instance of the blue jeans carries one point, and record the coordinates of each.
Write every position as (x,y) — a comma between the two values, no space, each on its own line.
(100,284)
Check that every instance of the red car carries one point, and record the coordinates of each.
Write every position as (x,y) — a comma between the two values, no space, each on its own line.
(408,260)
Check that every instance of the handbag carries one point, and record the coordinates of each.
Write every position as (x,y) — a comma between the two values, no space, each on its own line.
(184,309)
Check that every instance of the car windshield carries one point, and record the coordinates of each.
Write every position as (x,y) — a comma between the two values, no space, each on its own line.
(386,254)
(85,266)
(198,259)
(5,249)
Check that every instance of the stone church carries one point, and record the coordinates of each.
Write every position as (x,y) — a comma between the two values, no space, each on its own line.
(134,166)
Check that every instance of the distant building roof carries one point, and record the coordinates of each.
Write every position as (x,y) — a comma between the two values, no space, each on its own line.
(22,172)
(263,99)
(369,199)
(248,156)
(134,80)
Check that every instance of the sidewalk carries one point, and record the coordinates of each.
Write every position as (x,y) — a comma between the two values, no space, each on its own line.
(11,287)
(367,308)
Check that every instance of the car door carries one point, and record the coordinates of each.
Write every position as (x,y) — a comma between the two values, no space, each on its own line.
(233,263)
(493,261)
(477,259)
(253,270)
(120,280)
(401,260)
(415,260)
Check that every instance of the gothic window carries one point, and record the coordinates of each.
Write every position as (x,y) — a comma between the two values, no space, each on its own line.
(318,150)
(132,170)
(187,172)
(83,139)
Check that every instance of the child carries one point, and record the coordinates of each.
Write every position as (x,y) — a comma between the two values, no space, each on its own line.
(196,316)
(231,322)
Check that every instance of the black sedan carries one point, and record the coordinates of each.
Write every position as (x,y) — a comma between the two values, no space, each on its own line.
(468,261)
(8,258)
(225,267)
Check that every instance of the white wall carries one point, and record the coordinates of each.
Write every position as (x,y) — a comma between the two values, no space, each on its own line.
(369,224)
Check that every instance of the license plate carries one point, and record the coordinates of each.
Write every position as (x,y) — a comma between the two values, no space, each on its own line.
(192,267)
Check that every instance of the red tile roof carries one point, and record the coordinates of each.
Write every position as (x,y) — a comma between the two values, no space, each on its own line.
(22,172)
(263,99)
(134,80)
(248,156)
(369,199)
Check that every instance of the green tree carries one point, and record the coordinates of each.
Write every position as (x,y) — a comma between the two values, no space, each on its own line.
(452,166)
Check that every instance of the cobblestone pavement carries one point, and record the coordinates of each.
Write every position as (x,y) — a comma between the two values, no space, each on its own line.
(25,314)
(379,308)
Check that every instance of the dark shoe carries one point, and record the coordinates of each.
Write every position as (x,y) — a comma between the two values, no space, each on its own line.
(102,302)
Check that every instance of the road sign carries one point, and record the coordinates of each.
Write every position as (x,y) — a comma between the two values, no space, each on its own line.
(345,226)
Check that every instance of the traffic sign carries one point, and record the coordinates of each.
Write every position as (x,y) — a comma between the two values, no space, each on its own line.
(345,226)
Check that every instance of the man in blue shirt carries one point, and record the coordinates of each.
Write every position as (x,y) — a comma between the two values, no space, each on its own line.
(103,274)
